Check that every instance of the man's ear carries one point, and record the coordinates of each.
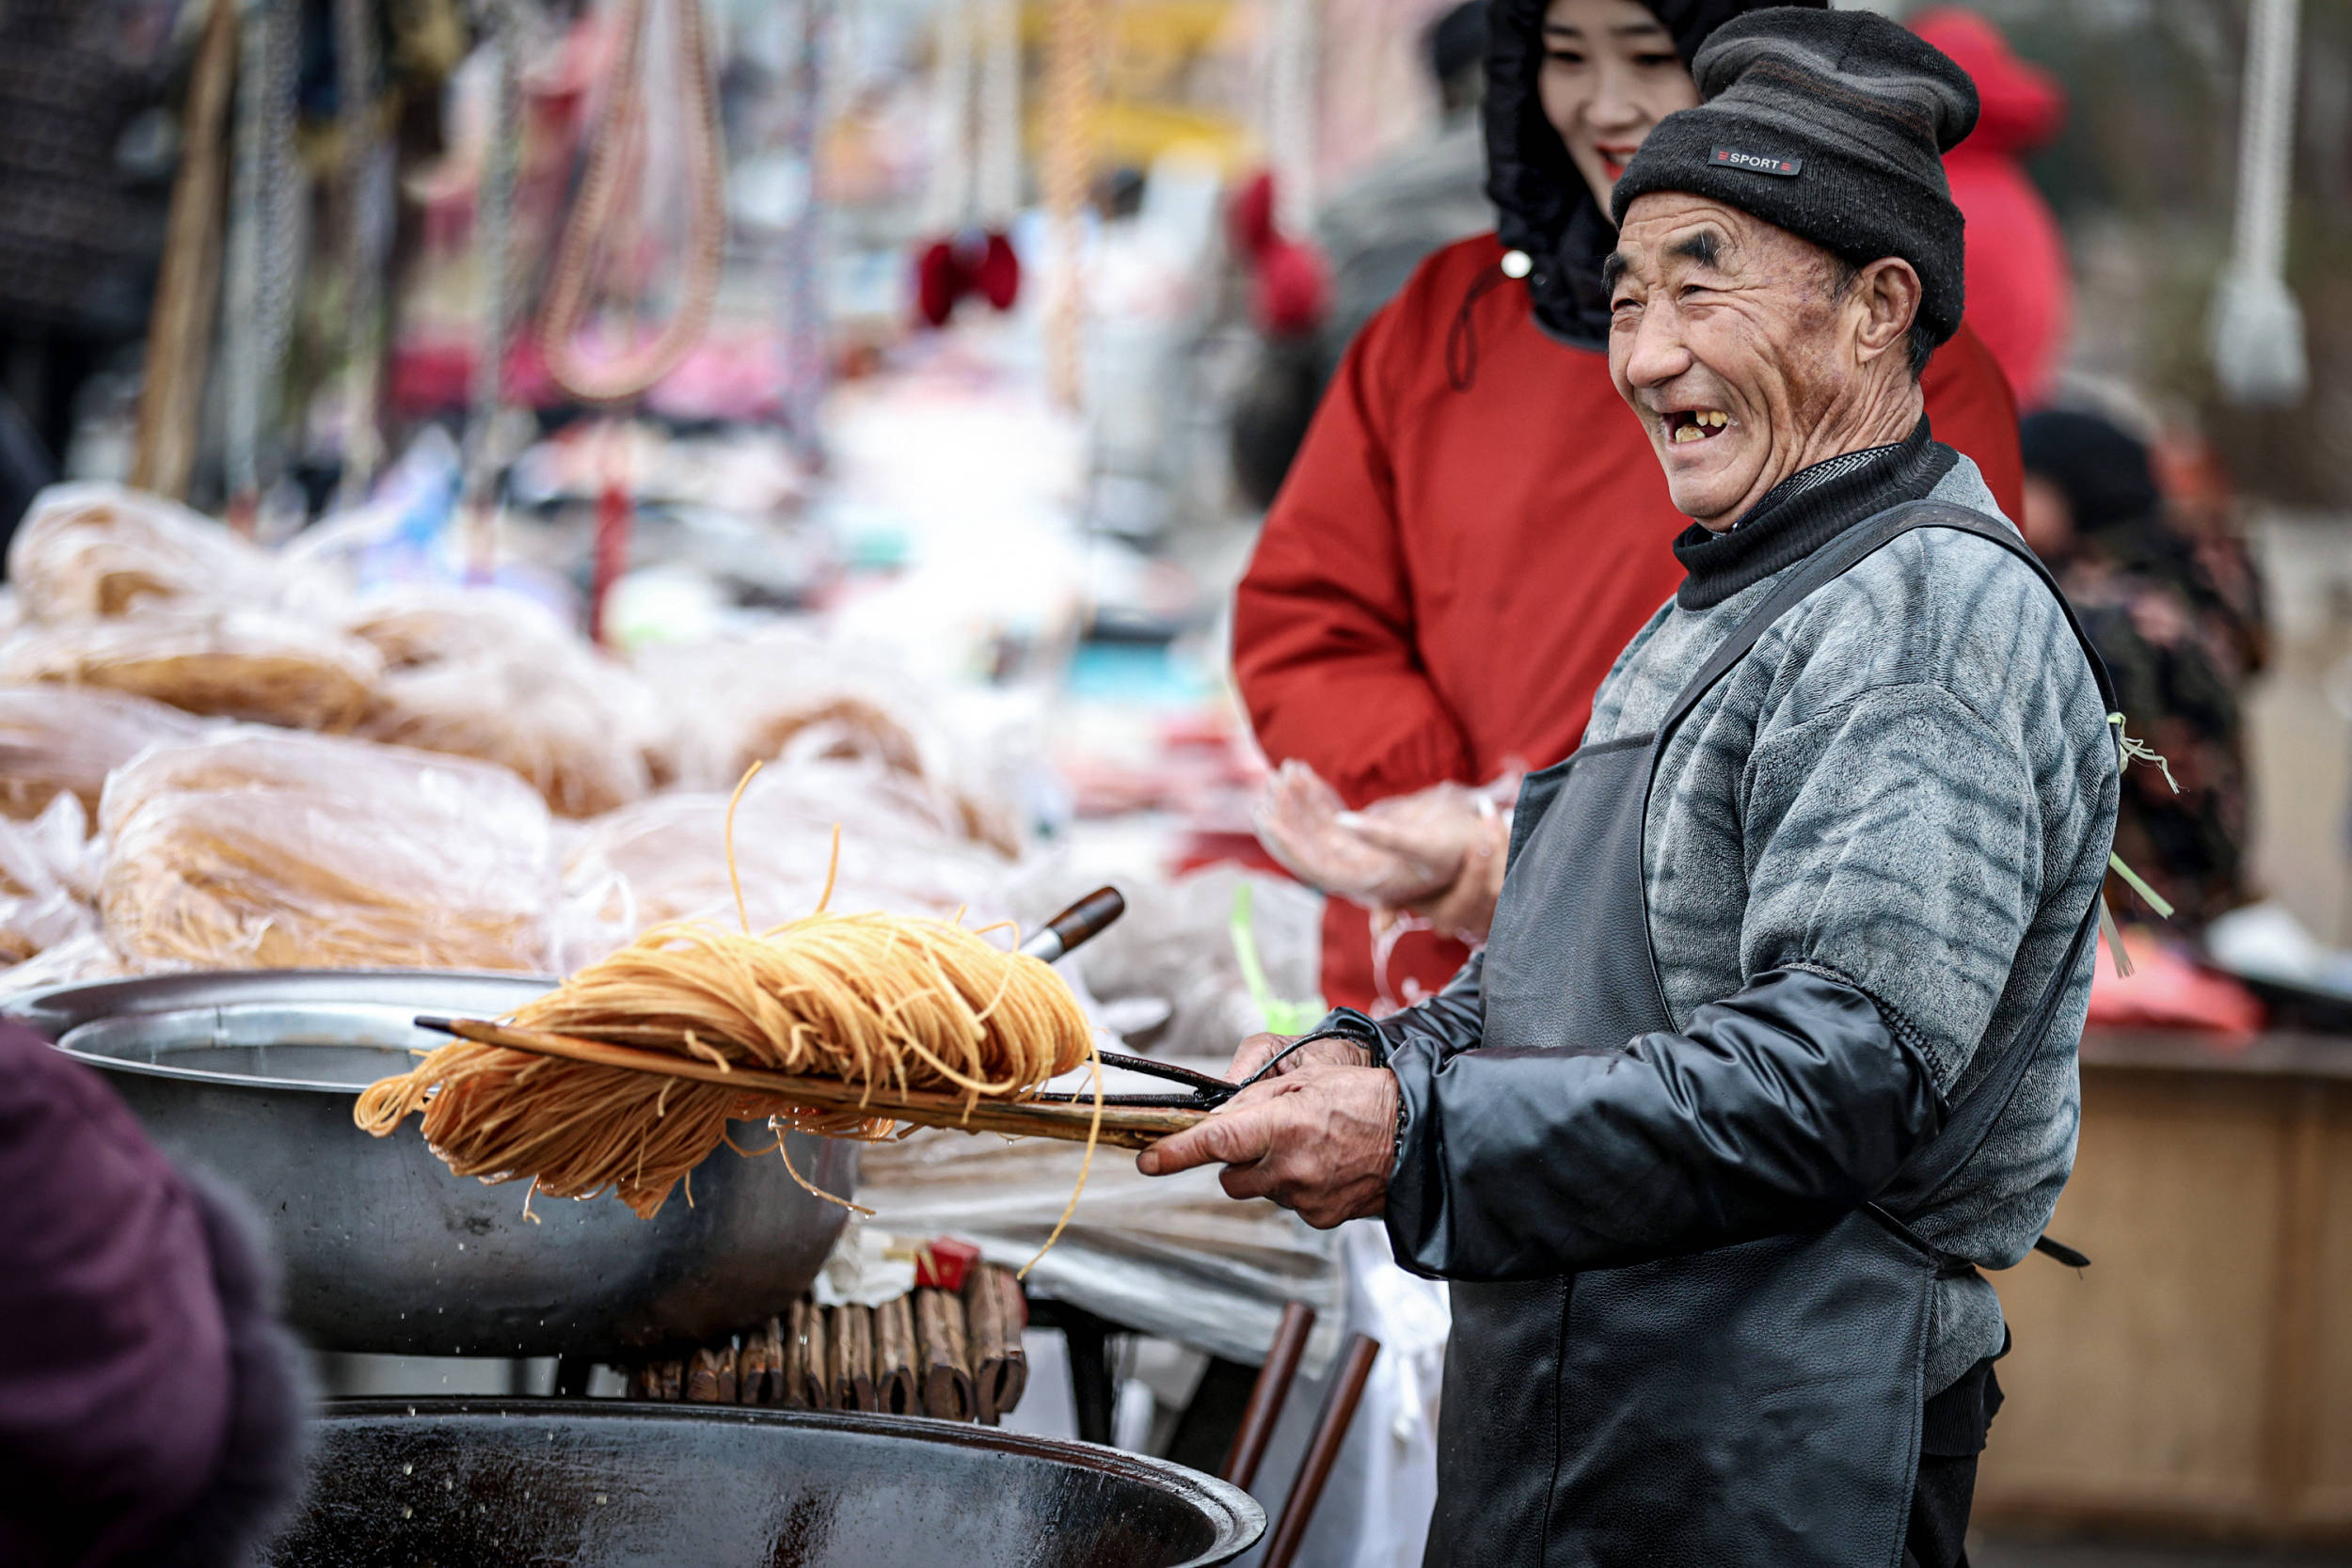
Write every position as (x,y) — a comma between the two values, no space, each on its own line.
(1886,294)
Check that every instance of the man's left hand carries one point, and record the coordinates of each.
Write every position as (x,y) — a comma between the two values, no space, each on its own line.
(1320,1141)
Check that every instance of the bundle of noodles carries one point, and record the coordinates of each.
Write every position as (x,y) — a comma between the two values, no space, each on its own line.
(269,849)
(888,1001)
(239,664)
(64,740)
(413,627)
(104,550)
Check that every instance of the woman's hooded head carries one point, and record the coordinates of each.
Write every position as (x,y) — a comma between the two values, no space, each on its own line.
(1544,207)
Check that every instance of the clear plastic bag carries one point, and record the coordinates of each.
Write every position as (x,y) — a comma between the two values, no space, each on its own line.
(269,849)
(96,550)
(48,879)
(234,664)
(903,849)
(480,673)
(1399,852)
(783,693)
(1175,945)
(64,740)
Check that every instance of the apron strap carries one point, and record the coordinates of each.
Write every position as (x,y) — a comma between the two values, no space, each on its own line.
(1971,1121)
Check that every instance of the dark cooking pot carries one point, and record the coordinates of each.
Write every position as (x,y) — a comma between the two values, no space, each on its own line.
(531,1484)
(253,1075)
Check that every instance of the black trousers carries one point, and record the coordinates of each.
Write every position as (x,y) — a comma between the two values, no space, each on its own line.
(1952,1429)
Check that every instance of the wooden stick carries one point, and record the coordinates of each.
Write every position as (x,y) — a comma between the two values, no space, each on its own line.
(897,1393)
(940,1341)
(995,1314)
(853,1361)
(759,1366)
(814,1377)
(180,324)
(710,1377)
(1123,1127)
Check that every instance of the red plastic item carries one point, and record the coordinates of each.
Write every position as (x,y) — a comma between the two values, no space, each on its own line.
(943,1263)
(946,271)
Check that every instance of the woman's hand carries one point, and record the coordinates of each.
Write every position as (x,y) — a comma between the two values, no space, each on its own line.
(1330,1051)
(1464,909)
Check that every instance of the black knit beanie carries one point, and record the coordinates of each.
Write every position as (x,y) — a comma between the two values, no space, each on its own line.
(1832,125)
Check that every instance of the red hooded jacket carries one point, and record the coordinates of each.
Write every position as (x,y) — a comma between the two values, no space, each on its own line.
(1455,560)
(2020,297)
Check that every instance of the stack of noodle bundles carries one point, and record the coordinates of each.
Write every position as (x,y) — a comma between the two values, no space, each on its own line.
(234,664)
(490,674)
(664,858)
(265,849)
(64,740)
(100,550)
(48,880)
(890,1001)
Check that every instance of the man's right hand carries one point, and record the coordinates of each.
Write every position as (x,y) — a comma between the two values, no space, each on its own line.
(1258,1049)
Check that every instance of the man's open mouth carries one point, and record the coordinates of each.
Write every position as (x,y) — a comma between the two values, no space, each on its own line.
(1696,424)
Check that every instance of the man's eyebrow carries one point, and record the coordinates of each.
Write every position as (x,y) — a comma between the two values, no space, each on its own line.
(1705,247)
(1612,267)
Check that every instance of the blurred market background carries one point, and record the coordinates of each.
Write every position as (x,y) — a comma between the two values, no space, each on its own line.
(888,391)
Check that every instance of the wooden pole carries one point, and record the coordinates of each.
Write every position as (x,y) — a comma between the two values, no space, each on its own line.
(187,290)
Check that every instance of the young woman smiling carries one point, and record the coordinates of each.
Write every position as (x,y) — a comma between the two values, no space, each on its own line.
(1472,468)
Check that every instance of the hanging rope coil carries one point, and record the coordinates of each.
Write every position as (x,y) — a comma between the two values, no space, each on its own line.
(595,217)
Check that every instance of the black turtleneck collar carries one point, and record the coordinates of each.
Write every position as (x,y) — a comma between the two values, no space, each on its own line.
(1806,510)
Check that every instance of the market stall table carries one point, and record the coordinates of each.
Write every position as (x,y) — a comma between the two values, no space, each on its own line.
(2191,1379)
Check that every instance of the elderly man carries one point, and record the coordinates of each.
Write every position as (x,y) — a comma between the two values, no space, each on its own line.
(1772,1045)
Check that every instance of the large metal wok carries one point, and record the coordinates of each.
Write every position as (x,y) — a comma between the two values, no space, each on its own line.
(252,1077)
(522,1483)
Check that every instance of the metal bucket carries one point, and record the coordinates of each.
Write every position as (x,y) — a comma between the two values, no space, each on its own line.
(522,1483)
(252,1077)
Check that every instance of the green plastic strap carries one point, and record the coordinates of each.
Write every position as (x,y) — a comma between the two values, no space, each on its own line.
(2156,901)
(1281,1018)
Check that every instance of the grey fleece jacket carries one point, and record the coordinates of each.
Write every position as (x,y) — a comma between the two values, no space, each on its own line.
(1909,782)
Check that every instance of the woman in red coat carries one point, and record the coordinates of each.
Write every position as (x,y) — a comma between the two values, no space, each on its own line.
(1472,468)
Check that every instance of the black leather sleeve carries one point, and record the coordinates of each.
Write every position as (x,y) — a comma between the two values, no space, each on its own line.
(1443,1024)
(1782,1108)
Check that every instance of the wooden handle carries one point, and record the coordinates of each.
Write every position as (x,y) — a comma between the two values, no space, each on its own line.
(1123,1127)
(1081,922)
(1268,1394)
(1323,1449)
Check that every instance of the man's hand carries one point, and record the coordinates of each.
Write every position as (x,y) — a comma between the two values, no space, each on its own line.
(1320,1141)
(1258,1049)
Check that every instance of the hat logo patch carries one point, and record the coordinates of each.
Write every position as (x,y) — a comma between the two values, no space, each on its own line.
(1756,163)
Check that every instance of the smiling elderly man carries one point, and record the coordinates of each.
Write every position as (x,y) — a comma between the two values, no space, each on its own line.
(1774,1043)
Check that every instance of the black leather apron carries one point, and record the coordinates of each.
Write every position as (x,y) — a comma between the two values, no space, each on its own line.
(1755,1404)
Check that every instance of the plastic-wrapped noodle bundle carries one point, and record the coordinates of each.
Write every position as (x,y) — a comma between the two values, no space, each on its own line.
(266,849)
(664,858)
(237,664)
(64,740)
(48,878)
(480,673)
(87,550)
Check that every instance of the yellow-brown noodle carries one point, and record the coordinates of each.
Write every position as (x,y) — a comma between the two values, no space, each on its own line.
(894,1002)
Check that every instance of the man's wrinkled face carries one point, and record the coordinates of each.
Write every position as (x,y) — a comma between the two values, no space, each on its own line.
(1727,337)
